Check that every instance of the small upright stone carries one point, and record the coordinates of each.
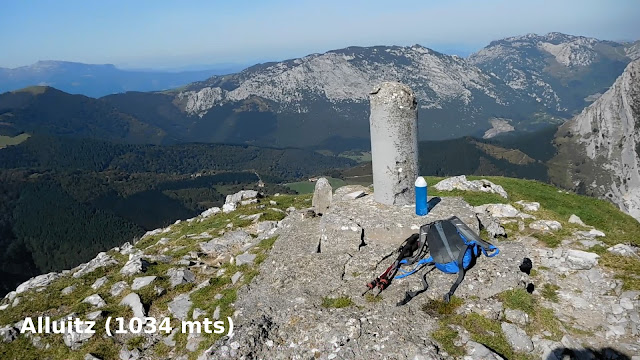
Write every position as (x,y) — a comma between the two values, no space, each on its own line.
(322,196)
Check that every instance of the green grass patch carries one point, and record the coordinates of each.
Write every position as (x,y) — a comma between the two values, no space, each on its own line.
(135,342)
(337,303)
(370,298)
(540,318)
(518,299)
(447,336)
(489,333)
(550,292)
(627,269)
(439,307)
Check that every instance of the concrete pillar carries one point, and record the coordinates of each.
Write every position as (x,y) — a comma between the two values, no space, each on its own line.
(394,143)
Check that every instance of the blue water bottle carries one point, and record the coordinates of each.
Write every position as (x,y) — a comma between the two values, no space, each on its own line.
(421,197)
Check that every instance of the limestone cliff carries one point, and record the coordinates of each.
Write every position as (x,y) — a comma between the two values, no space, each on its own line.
(599,150)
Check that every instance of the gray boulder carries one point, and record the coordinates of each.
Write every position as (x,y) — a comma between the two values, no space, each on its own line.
(529,205)
(8,334)
(236,277)
(140,282)
(575,219)
(245,258)
(74,340)
(133,301)
(545,225)
(37,282)
(210,212)
(101,260)
(180,276)
(95,300)
(461,183)
(476,351)
(68,290)
(516,316)
(623,250)
(517,338)
(180,306)
(226,242)
(126,354)
(322,196)
(581,260)
(118,288)
(99,283)
(135,265)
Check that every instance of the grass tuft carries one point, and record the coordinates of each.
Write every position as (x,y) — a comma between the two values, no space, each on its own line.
(337,303)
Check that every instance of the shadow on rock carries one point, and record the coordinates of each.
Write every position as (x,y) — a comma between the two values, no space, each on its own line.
(586,354)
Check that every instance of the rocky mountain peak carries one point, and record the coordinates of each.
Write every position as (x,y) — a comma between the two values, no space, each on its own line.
(291,283)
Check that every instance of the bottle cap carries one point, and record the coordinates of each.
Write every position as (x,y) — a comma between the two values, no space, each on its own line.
(421,182)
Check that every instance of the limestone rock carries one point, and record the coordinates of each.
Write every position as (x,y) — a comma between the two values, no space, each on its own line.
(8,334)
(180,306)
(68,290)
(99,283)
(226,242)
(101,260)
(501,211)
(37,282)
(133,301)
(574,219)
(95,300)
(517,338)
(266,226)
(493,227)
(227,208)
(180,276)
(140,282)
(210,212)
(581,260)
(461,183)
(545,225)
(245,258)
(529,205)
(236,277)
(516,316)
(126,354)
(74,340)
(118,288)
(476,351)
(94,315)
(197,313)
(135,265)
(322,196)
(623,250)
(239,196)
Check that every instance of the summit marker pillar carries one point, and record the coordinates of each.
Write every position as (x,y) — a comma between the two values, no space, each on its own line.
(394,143)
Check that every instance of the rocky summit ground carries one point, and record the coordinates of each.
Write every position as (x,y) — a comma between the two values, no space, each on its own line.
(292,281)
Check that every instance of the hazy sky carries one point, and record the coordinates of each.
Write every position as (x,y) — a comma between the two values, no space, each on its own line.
(135,33)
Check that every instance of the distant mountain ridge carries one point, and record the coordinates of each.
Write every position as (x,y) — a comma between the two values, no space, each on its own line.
(557,70)
(527,82)
(97,80)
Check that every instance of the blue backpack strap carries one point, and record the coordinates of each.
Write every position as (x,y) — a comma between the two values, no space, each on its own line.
(490,251)
(419,264)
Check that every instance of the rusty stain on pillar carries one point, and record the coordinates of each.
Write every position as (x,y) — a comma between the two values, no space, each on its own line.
(394,143)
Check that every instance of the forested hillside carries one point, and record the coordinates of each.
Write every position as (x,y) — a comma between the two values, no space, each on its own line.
(62,200)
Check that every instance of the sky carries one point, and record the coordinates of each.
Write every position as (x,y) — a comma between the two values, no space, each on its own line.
(174,34)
